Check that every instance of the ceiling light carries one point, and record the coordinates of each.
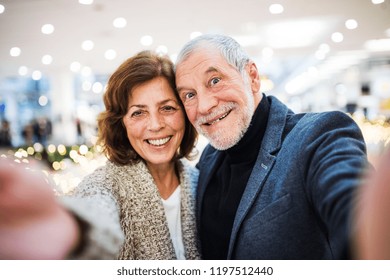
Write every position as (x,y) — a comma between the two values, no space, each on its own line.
(43,100)
(324,48)
(15,51)
(87,45)
(23,70)
(119,22)
(86,71)
(75,66)
(47,59)
(161,50)
(2,8)
(322,51)
(351,24)
(86,2)
(36,75)
(47,29)
(195,34)
(276,9)
(86,85)
(377,1)
(146,40)
(110,54)
(320,55)
(337,37)
(97,87)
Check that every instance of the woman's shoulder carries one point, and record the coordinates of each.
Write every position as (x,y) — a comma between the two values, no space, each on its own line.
(189,173)
(93,181)
(189,168)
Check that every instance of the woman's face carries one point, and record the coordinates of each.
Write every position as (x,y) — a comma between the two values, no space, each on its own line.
(154,121)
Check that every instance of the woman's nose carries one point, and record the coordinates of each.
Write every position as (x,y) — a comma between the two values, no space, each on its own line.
(156,122)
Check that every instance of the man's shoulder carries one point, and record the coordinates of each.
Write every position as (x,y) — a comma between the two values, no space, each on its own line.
(328,120)
(208,153)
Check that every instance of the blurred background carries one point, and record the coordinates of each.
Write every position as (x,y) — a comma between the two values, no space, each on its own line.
(57,55)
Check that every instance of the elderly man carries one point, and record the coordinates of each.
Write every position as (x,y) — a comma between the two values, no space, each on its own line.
(273,184)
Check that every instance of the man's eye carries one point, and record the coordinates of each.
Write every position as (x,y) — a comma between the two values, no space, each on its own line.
(189,95)
(214,81)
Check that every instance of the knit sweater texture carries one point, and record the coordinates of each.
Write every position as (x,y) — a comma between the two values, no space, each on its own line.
(123,215)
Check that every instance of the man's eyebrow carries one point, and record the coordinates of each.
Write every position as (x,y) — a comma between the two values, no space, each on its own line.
(178,89)
(209,70)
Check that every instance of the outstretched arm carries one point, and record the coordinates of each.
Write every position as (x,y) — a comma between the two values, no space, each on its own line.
(33,225)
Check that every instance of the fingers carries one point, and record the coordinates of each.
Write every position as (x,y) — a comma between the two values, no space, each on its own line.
(12,172)
(24,193)
(373,224)
(6,166)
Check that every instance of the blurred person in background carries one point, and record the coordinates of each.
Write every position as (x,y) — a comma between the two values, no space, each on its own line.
(5,134)
(140,205)
(273,184)
(28,134)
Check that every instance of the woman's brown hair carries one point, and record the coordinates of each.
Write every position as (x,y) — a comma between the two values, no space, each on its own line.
(141,68)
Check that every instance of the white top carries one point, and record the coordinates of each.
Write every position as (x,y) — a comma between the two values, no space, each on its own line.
(172,212)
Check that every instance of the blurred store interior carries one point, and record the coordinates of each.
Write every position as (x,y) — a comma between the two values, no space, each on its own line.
(56,57)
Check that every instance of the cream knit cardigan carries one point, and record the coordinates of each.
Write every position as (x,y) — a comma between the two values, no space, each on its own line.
(124,215)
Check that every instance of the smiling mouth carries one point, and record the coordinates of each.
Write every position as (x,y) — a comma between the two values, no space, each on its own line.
(218,119)
(158,142)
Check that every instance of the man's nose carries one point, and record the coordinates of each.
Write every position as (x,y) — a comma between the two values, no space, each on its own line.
(206,102)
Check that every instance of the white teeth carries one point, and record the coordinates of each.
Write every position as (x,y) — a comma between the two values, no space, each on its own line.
(159,142)
(212,117)
(217,120)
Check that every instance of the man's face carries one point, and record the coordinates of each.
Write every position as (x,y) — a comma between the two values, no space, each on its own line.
(217,100)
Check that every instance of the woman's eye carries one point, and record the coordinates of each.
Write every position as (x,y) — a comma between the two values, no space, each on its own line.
(169,108)
(214,81)
(136,114)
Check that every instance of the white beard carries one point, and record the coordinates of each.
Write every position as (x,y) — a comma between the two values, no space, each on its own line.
(224,139)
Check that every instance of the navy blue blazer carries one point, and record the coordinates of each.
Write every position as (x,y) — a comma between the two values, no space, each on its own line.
(297,201)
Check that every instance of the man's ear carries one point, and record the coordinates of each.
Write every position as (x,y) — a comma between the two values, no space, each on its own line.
(253,76)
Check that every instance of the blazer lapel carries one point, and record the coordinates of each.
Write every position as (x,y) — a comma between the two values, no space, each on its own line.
(265,160)
(209,165)
(255,183)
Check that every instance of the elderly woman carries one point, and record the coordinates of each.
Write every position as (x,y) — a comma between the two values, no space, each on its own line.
(140,204)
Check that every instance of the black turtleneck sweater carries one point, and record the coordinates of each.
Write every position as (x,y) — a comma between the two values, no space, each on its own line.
(224,192)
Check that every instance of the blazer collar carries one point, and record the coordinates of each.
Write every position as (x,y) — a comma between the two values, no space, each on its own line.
(270,146)
(209,166)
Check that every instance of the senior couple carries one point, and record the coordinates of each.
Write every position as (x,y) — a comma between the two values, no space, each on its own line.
(271,184)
